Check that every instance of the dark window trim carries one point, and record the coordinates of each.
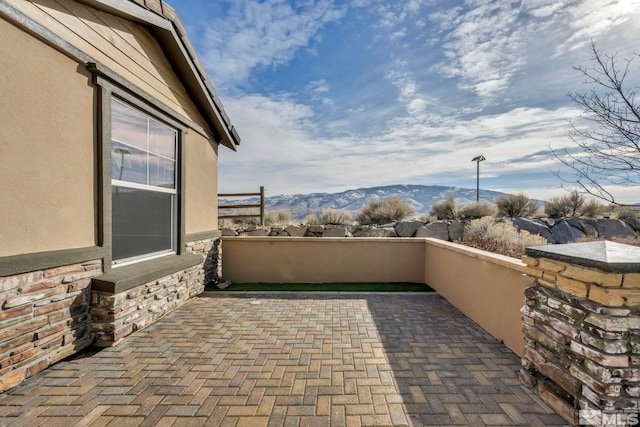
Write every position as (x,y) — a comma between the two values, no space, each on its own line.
(27,263)
(130,276)
(107,91)
(105,74)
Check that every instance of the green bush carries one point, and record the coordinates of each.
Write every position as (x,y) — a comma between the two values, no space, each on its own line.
(444,210)
(499,237)
(385,210)
(476,210)
(516,206)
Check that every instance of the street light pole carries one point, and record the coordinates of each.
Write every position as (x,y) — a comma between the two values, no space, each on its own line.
(478,159)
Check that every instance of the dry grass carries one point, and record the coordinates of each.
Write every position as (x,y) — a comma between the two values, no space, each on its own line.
(634,241)
(330,217)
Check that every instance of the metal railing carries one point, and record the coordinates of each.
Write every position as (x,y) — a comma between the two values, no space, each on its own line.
(244,206)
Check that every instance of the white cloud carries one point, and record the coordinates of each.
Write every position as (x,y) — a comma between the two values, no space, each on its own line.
(483,44)
(261,34)
(591,19)
(282,150)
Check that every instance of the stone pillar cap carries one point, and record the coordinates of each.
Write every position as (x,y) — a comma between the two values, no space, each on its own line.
(603,255)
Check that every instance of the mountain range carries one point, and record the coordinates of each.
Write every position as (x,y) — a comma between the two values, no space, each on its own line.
(419,197)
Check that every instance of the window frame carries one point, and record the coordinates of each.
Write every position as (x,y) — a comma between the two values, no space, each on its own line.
(111,88)
(115,182)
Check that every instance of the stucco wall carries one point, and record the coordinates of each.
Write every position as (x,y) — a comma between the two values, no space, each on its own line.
(322,260)
(201,187)
(47,146)
(486,287)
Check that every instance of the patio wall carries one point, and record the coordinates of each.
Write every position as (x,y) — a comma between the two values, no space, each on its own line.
(486,287)
(322,260)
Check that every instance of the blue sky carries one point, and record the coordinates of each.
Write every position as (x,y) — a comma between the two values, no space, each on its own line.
(330,95)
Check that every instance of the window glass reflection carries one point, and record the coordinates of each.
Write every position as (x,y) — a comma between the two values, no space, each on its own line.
(128,125)
(128,163)
(161,171)
(162,140)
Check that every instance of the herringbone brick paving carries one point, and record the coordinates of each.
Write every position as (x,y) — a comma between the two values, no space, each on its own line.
(289,360)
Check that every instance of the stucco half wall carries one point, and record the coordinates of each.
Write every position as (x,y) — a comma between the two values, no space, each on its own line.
(322,260)
(488,288)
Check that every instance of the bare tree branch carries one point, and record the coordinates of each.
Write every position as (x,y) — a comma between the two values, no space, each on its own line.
(608,152)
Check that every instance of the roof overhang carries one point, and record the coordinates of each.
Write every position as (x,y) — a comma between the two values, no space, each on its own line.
(163,22)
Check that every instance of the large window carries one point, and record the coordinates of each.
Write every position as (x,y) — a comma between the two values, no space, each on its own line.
(144,188)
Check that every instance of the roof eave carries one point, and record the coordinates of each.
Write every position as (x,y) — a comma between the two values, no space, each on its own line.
(171,34)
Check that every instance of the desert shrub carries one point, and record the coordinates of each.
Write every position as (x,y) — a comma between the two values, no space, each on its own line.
(444,210)
(622,212)
(627,240)
(312,219)
(330,217)
(499,237)
(279,217)
(427,217)
(572,205)
(593,208)
(336,217)
(476,210)
(516,206)
(385,210)
(242,222)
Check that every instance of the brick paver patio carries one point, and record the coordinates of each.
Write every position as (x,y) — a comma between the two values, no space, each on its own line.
(289,360)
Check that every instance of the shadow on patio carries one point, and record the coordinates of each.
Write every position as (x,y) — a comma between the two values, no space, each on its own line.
(290,359)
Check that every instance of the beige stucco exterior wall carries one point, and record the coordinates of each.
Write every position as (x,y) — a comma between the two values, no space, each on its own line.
(486,287)
(322,260)
(123,46)
(201,186)
(47,146)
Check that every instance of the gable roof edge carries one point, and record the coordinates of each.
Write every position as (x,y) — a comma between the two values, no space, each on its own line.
(171,33)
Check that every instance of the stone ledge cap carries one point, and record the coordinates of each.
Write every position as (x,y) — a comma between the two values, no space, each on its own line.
(606,256)
(129,276)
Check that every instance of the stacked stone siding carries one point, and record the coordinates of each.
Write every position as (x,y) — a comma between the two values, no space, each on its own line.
(211,250)
(115,316)
(44,317)
(582,332)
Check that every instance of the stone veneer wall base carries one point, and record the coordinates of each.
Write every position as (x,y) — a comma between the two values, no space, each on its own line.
(581,322)
(44,318)
(50,314)
(117,315)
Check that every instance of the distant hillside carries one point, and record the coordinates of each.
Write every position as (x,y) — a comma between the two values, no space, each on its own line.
(420,197)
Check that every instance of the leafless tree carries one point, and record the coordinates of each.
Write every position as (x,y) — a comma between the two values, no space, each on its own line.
(608,152)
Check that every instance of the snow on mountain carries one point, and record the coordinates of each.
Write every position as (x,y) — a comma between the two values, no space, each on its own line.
(420,197)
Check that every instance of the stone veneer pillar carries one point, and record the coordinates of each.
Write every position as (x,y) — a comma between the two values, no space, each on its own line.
(581,323)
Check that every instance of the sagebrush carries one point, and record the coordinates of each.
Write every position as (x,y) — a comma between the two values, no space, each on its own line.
(572,205)
(499,237)
(384,210)
(279,217)
(330,217)
(516,206)
(444,210)
(476,210)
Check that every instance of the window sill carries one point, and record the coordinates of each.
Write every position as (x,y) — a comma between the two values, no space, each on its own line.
(127,277)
